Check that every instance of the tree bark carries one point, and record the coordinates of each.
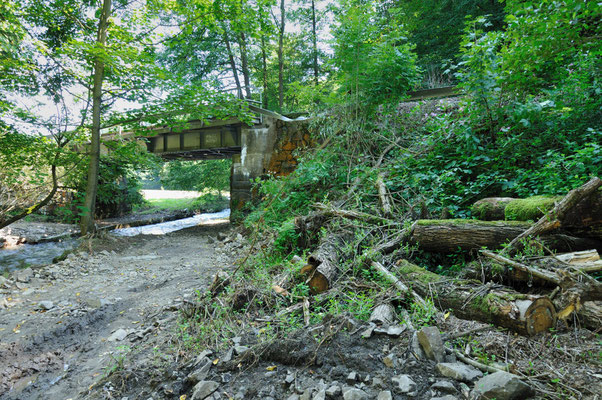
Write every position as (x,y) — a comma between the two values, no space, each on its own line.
(232,63)
(383,314)
(445,236)
(281,56)
(522,313)
(552,219)
(491,208)
(383,196)
(87,221)
(315,41)
(264,71)
(245,64)
(322,265)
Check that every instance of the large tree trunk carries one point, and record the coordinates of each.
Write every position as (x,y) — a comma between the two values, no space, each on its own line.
(264,71)
(522,313)
(281,57)
(553,218)
(87,221)
(232,63)
(447,236)
(245,64)
(315,41)
(583,220)
(491,208)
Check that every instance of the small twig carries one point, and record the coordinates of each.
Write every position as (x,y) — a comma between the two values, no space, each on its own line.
(453,336)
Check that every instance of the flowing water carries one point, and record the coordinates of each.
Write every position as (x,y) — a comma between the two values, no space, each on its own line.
(172,226)
(33,254)
(43,253)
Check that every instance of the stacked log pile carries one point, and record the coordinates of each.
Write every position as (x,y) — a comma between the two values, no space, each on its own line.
(505,287)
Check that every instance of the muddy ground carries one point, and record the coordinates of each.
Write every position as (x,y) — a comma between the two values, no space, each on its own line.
(56,322)
(107,323)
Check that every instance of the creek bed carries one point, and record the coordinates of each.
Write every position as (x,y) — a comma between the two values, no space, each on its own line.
(40,254)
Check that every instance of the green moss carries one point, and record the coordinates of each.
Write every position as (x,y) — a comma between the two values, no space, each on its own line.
(420,274)
(498,269)
(428,222)
(480,211)
(531,208)
(486,304)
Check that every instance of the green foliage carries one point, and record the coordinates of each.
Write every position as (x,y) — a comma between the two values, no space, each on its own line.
(196,175)
(374,60)
(118,359)
(210,202)
(435,26)
(317,177)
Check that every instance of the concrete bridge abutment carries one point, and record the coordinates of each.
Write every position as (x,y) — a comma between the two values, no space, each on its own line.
(266,149)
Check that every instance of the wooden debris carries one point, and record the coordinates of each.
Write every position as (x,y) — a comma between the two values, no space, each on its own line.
(221,280)
(396,282)
(552,219)
(323,264)
(579,257)
(528,270)
(446,236)
(383,314)
(523,313)
(383,196)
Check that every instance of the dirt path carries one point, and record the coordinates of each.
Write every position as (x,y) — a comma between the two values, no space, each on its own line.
(60,326)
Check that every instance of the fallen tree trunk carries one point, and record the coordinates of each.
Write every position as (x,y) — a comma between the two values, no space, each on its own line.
(522,313)
(577,288)
(583,220)
(322,265)
(383,314)
(445,236)
(491,208)
(383,196)
(552,219)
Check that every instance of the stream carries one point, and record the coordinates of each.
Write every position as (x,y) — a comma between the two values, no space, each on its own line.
(39,254)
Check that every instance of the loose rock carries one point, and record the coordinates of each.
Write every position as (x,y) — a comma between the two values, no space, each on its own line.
(118,335)
(444,387)
(459,371)
(203,389)
(501,386)
(45,305)
(350,393)
(385,395)
(430,340)
(406,384)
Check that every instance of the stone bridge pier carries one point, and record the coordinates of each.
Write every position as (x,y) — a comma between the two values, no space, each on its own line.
(266,149)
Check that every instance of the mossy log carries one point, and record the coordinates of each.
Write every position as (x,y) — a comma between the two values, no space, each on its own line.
(491,208)
(468,299)
(445,236)
(554,218)
(583,220)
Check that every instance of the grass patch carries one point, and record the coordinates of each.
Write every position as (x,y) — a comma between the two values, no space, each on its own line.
(208,202)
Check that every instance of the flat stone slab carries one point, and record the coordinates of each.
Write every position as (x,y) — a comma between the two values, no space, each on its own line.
(459,371)
(501,386)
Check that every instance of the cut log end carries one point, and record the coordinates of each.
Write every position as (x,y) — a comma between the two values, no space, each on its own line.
(540,316)
(318,283)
